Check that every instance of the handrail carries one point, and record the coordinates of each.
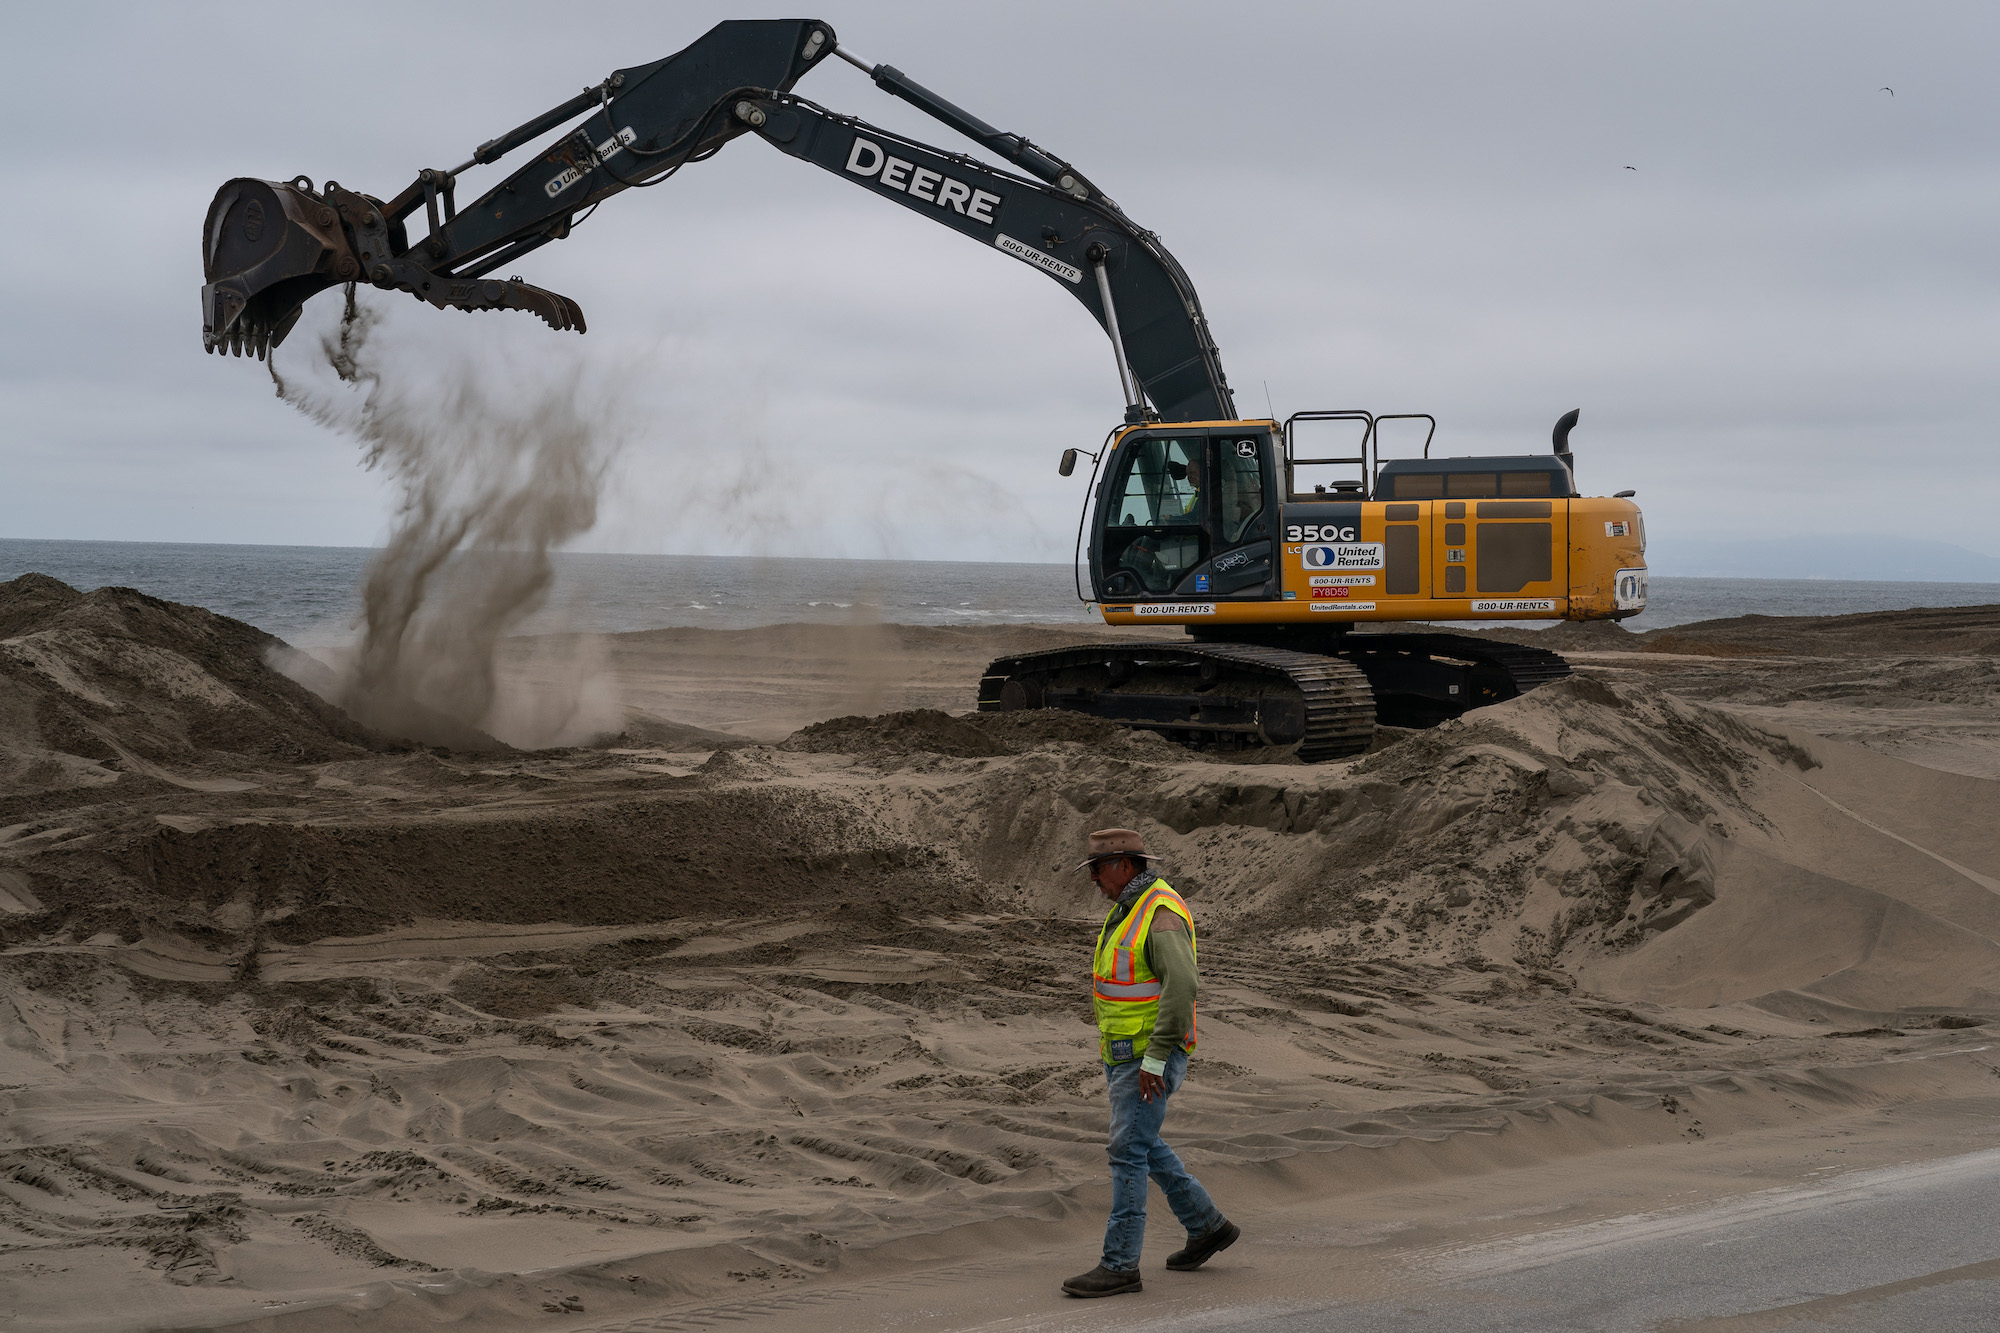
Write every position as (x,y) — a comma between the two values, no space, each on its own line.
(1407,416)
(1342,414)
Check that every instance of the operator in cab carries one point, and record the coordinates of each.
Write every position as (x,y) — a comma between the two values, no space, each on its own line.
(1190,505)
(1143,984)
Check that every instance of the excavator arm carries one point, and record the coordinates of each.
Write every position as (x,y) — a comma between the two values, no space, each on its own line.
(1079,238)
(270,246)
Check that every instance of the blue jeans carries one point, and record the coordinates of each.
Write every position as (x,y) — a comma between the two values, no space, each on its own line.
(1137,1153)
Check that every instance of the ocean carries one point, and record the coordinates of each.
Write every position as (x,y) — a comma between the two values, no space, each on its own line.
(309,595)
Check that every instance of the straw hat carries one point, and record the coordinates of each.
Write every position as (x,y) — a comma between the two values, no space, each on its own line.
(1112,842)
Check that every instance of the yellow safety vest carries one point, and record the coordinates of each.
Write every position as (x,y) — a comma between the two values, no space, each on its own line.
(1124,988)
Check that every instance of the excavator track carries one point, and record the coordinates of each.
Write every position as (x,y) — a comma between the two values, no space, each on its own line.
(1239,694)
(1420,680)
(1220,694)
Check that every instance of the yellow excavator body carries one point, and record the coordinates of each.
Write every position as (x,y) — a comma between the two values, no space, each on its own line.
(1304,582)
(1465,539)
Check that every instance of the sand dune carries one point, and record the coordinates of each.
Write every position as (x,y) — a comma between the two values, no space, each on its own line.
(357,1036)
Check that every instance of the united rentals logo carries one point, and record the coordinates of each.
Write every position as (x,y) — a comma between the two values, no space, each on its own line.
(1349,555)
(573,172)
(1630,589)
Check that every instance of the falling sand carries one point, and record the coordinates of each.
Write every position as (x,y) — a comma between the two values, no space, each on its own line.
(489,479)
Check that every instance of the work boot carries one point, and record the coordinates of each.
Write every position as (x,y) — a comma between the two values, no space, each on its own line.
(1200,1249)
(1102,1281)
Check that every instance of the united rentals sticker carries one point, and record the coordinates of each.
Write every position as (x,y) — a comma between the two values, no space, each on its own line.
(1341,581)
(1343,606)
(1347,555)
(1175,609)
(1517,604)
(572,173)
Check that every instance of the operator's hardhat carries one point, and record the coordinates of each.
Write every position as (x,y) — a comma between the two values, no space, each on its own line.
(1107,843)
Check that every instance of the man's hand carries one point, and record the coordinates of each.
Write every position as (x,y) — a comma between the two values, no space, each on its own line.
(1151,1086)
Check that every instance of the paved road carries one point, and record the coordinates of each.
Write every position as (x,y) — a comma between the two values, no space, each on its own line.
(1911,1247)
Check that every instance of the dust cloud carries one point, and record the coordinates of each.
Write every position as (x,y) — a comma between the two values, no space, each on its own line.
(494,465)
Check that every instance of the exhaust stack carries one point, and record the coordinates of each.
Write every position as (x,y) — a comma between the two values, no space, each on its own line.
(1564,425)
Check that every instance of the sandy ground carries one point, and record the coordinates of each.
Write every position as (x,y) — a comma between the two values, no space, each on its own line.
(302,1032)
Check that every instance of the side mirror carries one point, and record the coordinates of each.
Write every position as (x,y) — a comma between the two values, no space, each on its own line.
(1068,464)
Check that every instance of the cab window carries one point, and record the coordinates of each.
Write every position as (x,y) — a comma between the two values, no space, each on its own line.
(1154,533)
(1241,497)
(1161,484)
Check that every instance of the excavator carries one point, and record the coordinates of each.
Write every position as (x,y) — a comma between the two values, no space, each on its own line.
(1287,551)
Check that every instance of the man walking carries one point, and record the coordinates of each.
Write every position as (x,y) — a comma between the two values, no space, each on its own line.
(1143,983)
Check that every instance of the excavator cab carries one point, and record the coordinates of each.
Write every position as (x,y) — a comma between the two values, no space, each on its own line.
(1184,512)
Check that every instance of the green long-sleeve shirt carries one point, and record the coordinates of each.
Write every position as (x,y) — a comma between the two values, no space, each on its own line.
(1170,953)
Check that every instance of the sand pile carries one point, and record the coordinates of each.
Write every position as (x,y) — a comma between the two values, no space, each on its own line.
(695,1021)
(1949,631)
(95,685)
(930,731)
(1922,685)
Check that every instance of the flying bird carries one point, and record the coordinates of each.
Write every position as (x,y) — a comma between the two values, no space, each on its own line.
(1631,168)
(1889,90)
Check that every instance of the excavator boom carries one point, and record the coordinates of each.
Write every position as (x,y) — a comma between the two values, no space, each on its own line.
(270,246)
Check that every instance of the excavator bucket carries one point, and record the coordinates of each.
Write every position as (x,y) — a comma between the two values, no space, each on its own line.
(267,248)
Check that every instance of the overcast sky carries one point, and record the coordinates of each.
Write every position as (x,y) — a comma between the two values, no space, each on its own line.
(1783,321)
